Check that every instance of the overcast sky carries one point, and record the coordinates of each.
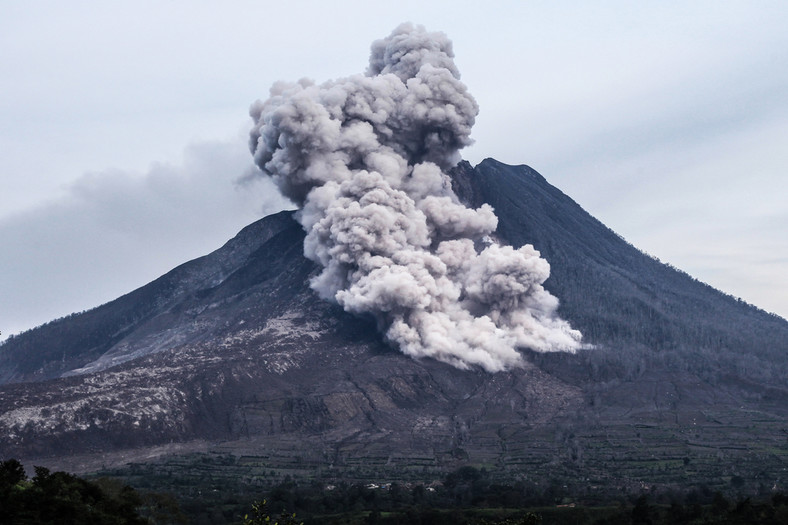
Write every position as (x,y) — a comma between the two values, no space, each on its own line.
(123,127)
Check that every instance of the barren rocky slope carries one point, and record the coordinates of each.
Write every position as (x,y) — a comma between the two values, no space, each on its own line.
(232,355)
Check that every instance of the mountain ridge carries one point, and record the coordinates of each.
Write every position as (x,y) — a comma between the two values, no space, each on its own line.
(173,283)
(254,364)
(137,304)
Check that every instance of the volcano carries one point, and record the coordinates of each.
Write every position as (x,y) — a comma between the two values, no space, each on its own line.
(234,362)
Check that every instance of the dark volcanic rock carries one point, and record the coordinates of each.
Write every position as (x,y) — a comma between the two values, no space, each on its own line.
(74,341)
(234,351)
(610,290)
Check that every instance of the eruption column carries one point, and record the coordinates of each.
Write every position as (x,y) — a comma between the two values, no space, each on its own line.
(365,159)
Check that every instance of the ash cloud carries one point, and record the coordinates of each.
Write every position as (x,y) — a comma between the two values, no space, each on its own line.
(365,159)
(118,230)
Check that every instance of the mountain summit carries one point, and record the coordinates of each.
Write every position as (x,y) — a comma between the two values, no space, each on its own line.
(365,158)
(235,355)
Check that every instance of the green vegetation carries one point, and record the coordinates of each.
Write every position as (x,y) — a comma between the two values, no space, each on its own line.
(466,496)
(65,499)
(58,497)
(470,501)
(260,516)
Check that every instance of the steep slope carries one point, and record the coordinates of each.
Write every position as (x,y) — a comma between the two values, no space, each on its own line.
(608,288)
(76,340)
(668,306)
(233,353)
(265,361)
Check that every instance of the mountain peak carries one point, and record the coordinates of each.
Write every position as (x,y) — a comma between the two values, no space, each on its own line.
(235,347)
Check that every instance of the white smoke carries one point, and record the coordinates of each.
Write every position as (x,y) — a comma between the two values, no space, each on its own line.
(365,158)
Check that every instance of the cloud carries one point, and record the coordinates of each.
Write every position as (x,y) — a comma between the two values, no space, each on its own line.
(619,106)
(114,231)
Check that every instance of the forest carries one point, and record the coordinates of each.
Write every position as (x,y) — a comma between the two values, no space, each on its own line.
(466,496)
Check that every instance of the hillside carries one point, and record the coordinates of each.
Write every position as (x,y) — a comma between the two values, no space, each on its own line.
(231,362)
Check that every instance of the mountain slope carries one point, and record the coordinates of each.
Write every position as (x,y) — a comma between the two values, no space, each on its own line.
(233,353)
(608,288)
(74,341)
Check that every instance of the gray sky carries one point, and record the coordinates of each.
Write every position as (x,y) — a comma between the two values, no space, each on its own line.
(123,127)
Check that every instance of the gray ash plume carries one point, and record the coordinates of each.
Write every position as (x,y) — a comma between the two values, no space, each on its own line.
(365,159)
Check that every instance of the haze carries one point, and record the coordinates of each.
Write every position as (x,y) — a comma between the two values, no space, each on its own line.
(124,128)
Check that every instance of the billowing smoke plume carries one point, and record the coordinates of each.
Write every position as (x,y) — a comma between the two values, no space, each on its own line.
(365,159)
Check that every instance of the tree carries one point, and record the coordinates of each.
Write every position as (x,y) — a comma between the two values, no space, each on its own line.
(59,497)
(260,516)
(11,473)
